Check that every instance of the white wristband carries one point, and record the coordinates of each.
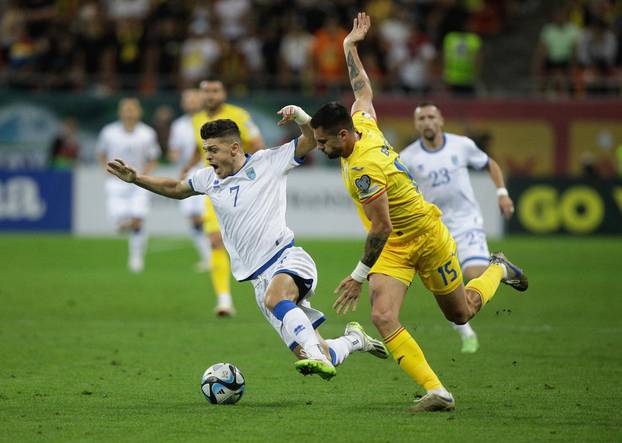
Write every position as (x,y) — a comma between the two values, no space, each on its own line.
(301,117)
(502,192)
(360,272)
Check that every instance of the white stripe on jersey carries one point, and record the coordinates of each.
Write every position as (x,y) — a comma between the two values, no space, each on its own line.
(250,206)
(443,178)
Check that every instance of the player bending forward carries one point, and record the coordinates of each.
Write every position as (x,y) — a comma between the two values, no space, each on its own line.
(439,162)
(249,196)
(405,233)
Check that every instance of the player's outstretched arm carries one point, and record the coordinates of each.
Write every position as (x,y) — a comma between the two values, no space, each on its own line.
(349,290)
(361,86)
(167,187)
(306,142)
(506,205)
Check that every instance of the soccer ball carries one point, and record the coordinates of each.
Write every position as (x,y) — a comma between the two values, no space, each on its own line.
(222,383)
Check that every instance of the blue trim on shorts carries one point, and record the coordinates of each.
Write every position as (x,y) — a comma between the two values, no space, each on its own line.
(475,257)
(304,284)
(315,325)
(269,263)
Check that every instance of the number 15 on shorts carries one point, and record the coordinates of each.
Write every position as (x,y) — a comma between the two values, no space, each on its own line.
(448,274)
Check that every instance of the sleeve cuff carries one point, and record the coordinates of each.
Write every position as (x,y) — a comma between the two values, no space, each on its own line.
(191,185)
(485,165)
(298,160)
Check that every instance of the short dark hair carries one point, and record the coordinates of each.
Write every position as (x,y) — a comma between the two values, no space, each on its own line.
(220,128)
(332,117)
(425,104)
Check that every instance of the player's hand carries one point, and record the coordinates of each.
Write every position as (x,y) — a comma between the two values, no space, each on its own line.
(295,113)
(507,206)
(120,169)
(360,26)
(349,291)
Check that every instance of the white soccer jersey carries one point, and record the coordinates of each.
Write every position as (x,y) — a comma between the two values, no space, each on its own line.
(250,207)
(182,138)
(137,148)
(443,178)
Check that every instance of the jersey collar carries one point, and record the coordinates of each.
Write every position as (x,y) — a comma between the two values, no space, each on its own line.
(434,151)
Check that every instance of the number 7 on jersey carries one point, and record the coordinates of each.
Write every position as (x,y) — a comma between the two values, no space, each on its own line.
(236,190)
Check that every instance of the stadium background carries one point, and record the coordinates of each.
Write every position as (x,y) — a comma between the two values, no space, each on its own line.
(557,134)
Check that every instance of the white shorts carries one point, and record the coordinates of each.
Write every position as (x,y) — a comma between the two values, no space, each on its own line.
(123,203)
(472,248)
(192,206)
(296,262)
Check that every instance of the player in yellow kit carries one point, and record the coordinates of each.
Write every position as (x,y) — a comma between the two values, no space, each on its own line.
(215,108)
(405,233)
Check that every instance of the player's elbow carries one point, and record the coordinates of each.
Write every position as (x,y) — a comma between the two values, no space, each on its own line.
(382,227)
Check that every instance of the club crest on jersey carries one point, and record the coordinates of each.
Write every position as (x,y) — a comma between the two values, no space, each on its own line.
(454,160)
(420,168)
(363,183)
(250,173)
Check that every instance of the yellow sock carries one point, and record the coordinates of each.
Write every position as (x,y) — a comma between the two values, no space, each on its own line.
(487,283)
(410,358)
(220,271)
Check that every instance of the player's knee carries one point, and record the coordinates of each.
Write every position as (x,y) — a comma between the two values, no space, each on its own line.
(382,318)
(270,301)
(458,317)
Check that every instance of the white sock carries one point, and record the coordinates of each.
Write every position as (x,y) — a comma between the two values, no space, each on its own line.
(201,244)
(298,325)
(225,299)
(340,348)
(137,242)
(442,392)
(464,330)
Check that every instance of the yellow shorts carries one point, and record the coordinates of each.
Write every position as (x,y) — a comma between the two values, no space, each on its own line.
(432,254)
(210,222)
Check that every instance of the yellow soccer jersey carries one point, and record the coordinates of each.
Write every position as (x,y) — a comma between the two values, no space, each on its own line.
(248,129)
(373,169)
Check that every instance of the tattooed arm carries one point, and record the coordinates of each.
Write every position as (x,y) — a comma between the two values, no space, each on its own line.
(359,80)
(377,211)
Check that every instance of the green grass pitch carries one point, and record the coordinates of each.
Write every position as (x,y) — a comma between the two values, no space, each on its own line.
(90,352)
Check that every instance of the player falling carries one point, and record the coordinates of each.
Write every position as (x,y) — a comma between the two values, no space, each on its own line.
(405,233)
(439,162)
(214,97)
(248,194)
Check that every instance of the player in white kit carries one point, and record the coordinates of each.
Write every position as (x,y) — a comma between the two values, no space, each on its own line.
(127,206)
(439,163)
(181,148)
(249,197)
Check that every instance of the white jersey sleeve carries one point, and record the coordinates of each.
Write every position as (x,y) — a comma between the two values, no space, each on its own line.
(202,180)
(283,158)
(476,158)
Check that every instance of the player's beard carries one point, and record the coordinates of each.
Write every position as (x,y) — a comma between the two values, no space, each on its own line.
(429,135)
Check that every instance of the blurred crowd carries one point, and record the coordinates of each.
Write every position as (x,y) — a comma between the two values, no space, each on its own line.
(415,46)
(580,49)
